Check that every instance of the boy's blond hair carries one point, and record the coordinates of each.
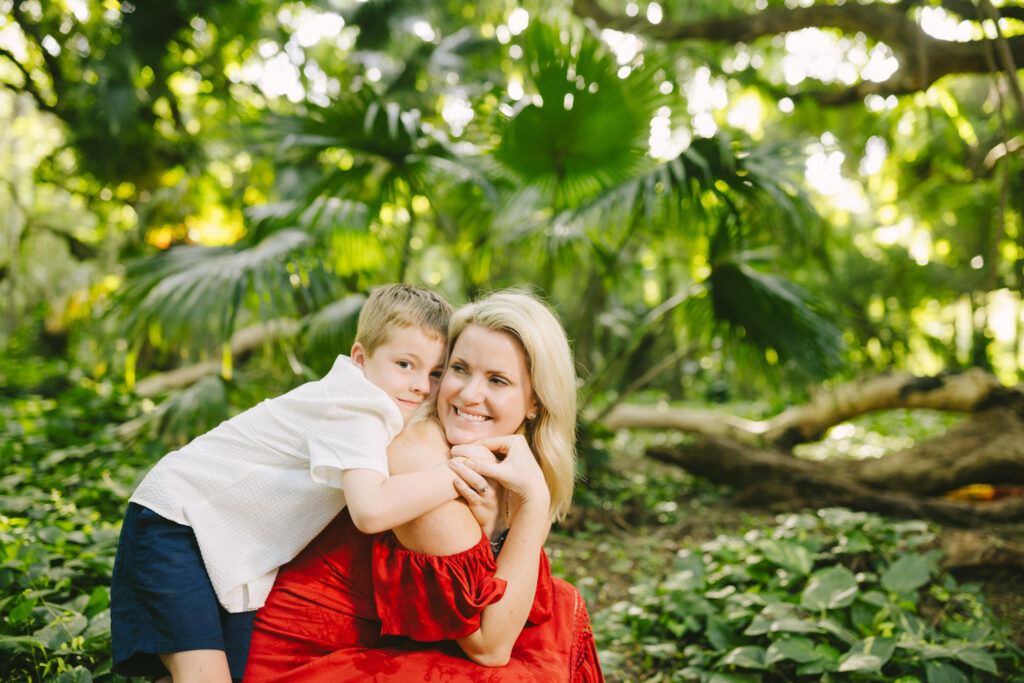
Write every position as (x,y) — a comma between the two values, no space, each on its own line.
(391,307)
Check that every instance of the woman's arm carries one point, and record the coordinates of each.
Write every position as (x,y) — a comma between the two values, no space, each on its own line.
(452,528)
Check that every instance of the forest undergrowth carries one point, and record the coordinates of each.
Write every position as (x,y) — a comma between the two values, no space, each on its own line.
(681,583)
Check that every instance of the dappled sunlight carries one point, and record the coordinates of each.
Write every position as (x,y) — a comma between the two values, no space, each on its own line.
(821,55)
(823,171)
(938,23)
(277,70)
(878,434)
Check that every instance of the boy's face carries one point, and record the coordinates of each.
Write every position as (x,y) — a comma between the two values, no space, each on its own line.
(407,367)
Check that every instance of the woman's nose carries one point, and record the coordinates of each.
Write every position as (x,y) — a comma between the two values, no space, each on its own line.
(472,390)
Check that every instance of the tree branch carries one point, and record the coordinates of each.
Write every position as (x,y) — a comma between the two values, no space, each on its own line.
(923,58)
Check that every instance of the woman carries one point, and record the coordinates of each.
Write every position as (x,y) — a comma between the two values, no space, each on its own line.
(429,601)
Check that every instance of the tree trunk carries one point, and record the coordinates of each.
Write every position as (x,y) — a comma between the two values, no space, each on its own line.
(962,392)
(242,341)
(754,455)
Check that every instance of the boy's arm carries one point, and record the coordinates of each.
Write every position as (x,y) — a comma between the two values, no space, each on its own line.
(378,503)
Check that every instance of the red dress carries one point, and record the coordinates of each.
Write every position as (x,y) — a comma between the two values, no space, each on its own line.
(353,607)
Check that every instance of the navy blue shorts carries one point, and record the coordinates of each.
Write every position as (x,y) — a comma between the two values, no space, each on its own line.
(161,599)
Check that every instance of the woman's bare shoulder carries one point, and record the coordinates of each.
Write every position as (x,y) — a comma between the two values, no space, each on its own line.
(419,446)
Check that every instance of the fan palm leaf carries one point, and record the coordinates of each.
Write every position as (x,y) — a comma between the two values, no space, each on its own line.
(331,331)
(390,153)
(193,294)
(586,128)
(775,313)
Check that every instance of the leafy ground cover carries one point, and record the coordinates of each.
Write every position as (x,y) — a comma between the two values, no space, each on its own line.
(718,593)
(682,585)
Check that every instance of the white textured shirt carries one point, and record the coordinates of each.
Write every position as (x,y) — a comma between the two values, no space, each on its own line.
(259,487)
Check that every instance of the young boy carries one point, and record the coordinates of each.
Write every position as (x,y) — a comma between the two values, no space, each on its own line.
(212,521)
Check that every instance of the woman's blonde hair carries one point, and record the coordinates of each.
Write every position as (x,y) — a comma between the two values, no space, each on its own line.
(552,434)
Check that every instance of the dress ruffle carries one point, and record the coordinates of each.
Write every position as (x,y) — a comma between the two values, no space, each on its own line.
(321,623)
(440,597)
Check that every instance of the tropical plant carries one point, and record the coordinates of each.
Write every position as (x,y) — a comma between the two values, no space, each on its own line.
(842,595)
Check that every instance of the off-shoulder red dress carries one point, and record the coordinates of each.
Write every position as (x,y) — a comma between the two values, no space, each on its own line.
(353,607)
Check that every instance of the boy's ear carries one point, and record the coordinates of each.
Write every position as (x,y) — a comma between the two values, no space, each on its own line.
(358,355)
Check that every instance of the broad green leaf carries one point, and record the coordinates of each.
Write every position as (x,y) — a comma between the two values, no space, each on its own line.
(928,650)
(794,625)
(979,659)
(747,657)
(829,588)
(61,630)
(719,633)
(759,625)
(863,655)
(838,630)
(788,555)
(798,649)
(732,677)
(19,643)
(20,611)
(77,675)
(876,598)
(861,663)
(98,625)
(827,659)
(941,672)
(907,574)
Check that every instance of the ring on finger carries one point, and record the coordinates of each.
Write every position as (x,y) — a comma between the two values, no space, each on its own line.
(483,489)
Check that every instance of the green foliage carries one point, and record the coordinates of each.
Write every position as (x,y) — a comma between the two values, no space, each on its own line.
(63,488)
(559,142)
(836,595)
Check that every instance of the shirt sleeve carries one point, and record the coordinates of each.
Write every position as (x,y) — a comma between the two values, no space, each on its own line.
(441,597)
(358,426)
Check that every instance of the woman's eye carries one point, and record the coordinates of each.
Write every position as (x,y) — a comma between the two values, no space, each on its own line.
(499,380)
(458,367)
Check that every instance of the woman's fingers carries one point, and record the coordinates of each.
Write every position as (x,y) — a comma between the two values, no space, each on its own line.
(480,495)
(504,444)
(472,450)
(462,467)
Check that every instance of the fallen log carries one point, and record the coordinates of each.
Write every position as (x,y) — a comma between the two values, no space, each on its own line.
(959,392)
(241,341)
(767,477)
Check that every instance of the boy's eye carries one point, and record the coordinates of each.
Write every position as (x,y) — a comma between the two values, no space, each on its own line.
(436,374)
(404,364)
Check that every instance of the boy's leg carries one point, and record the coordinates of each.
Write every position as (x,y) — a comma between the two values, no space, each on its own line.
(197,666)
(162,602)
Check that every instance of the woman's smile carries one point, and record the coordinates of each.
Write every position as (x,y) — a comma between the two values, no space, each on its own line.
(485,390)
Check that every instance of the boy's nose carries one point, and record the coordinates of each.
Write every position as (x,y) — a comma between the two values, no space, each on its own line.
(420,383)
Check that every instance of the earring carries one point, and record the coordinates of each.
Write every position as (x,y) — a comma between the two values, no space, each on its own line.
(532,415)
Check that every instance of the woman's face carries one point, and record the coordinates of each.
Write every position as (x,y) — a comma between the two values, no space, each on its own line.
(485,390)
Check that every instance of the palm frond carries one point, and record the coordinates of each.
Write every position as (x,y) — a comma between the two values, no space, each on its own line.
(388,145)
(775,313)
(197,409)
(332,331)
(587,128)
(194,293)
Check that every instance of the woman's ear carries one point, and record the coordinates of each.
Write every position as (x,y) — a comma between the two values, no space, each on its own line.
(358,355)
